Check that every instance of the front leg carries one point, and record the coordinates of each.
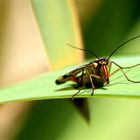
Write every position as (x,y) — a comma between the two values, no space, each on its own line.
(121,69)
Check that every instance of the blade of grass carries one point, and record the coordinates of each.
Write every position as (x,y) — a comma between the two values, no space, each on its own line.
(44,87)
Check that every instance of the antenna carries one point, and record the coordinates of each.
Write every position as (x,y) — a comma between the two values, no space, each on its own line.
(83,50)
(123,45)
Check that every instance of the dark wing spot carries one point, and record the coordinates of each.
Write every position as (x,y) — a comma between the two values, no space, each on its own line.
(65,76)
(63,79)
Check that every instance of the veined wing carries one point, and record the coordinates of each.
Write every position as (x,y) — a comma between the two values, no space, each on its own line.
(70,75)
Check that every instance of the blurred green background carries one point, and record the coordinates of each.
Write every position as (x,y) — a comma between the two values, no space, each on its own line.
(111,24)
(104,24)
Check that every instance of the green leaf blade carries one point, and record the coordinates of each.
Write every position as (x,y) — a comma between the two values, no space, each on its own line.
(44,87)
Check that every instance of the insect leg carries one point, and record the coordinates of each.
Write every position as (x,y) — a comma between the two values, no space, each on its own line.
(130,66)
(91,75)
(115,71)
(93,87)
(109,67)
(92,84)
(121,69)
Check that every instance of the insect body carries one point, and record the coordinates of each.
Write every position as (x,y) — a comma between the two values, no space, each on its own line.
(95,74)
(96,71)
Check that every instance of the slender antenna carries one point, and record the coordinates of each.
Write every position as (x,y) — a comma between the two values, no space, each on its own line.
(83,50)
(122,45)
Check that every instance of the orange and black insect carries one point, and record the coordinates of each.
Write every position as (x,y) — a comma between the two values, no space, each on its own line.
(96,73)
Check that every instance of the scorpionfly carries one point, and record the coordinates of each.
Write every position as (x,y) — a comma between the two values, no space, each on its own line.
(96,73)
